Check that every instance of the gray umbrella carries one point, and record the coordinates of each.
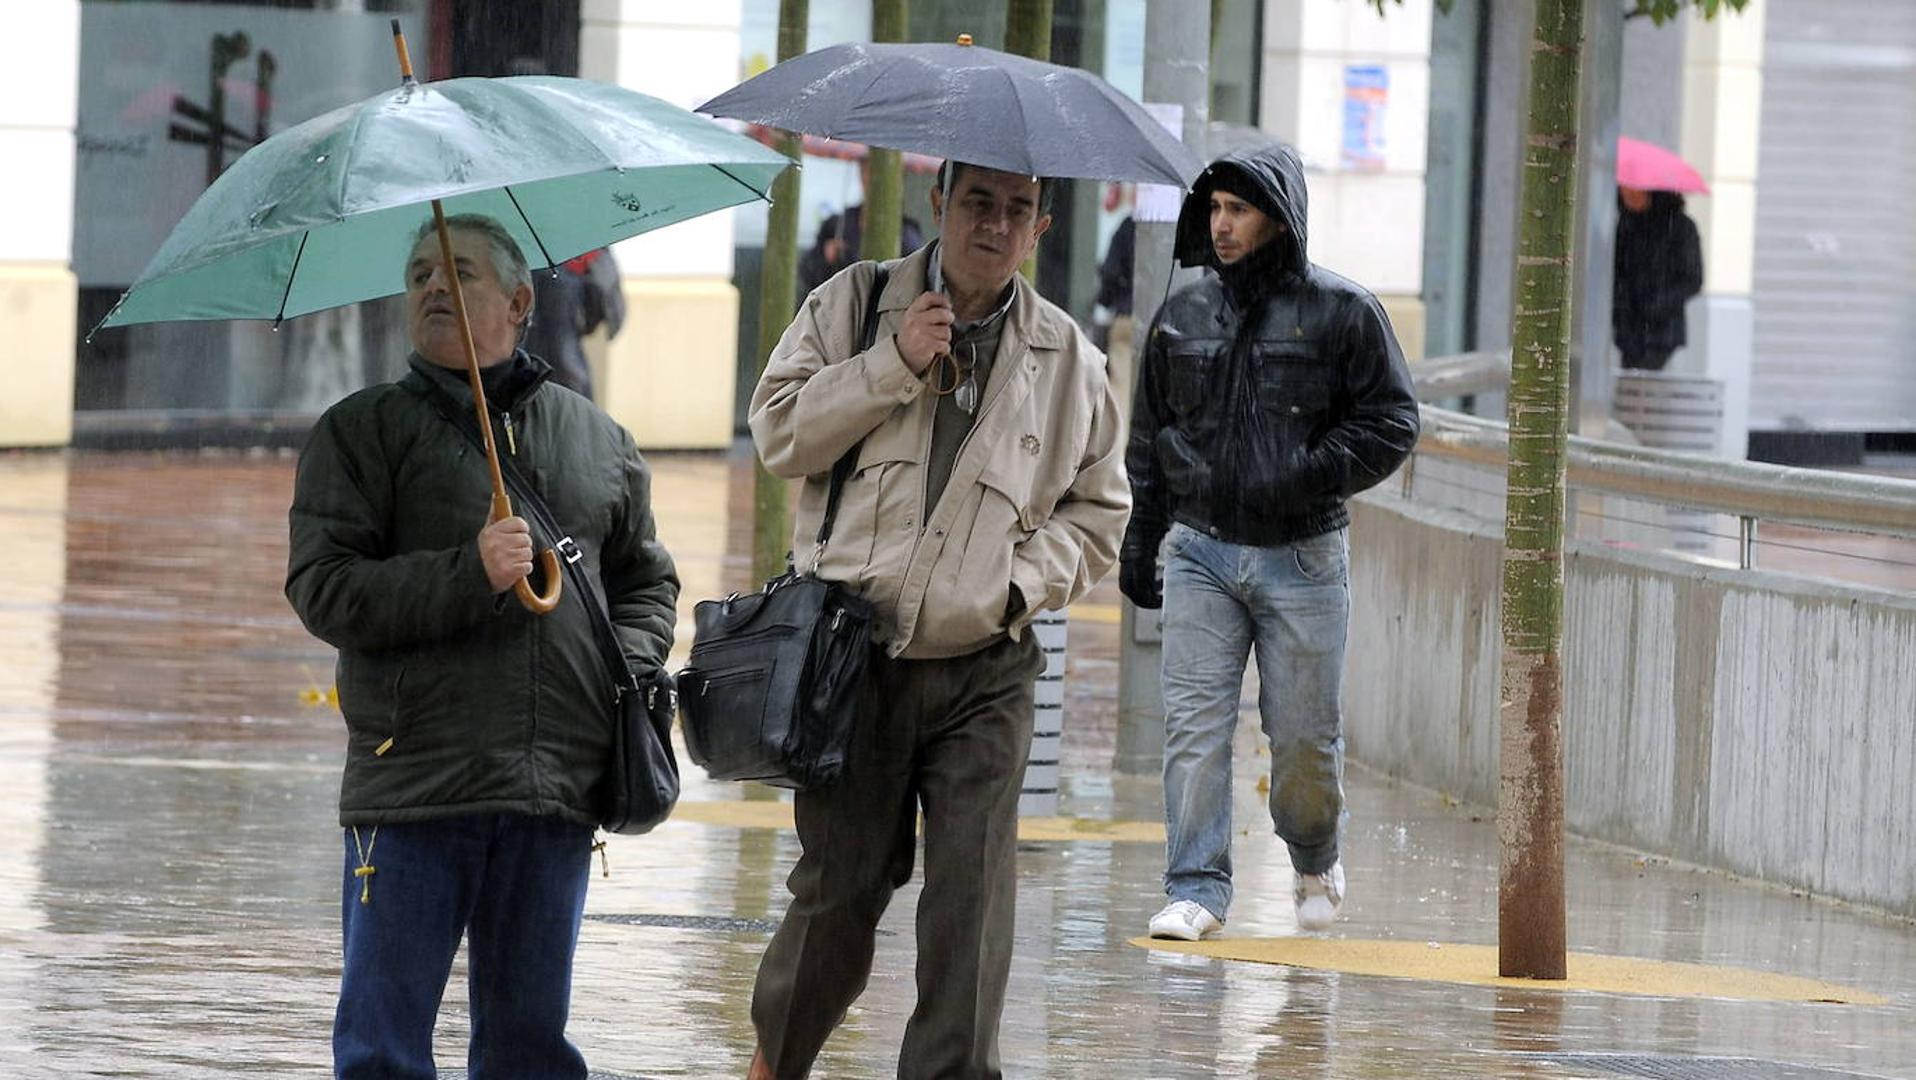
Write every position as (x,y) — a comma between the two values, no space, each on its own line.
(976,105)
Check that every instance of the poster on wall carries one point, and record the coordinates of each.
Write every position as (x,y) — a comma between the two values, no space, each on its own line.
(172,94)
(1366,97)
(1161,202)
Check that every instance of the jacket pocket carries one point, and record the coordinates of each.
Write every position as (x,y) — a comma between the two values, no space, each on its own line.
(1011,475)
(894,481)
(1294,387)
(1004,520)
(371,698)
(862,509)
(1323,560)
(1188,377)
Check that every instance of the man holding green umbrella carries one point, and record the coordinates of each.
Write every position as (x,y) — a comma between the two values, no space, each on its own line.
(476,730)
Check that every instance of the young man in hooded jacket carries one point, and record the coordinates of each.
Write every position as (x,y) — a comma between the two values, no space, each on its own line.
(1271,391)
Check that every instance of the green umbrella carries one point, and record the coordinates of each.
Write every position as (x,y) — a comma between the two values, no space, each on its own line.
(324,213)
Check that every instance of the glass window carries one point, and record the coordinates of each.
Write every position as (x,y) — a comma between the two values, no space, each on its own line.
(171,93)
(1237,40)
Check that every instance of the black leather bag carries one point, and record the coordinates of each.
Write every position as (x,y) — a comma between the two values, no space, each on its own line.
(641,783)
(771,688)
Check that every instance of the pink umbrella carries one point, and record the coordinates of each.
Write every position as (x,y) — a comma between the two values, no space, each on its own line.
(1652,168)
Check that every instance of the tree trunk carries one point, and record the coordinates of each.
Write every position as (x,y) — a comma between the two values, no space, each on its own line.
(1028,29)
(1530,900)
(884,175)
(1028,33)
(771,524)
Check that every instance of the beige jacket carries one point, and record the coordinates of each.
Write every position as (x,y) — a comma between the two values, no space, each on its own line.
(1037,497)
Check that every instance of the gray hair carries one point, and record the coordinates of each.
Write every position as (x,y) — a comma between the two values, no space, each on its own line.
(508,262)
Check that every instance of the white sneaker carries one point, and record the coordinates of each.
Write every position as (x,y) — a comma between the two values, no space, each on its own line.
(1185,920)
(1318,897)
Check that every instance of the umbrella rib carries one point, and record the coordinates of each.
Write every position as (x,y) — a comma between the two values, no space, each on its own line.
(1024,121)
(547,255)
(293,273)
(756,193)
(878,72)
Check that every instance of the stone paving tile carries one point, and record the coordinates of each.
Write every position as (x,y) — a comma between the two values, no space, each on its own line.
(168,862)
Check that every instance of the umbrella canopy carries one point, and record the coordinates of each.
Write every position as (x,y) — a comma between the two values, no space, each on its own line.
(840,150)
(972,104)
(323,214)
(1652,168)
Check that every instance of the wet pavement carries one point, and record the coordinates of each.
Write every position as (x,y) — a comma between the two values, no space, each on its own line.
(168,861)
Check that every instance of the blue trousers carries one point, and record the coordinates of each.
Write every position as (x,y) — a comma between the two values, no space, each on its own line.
(514,887)
(1290,604)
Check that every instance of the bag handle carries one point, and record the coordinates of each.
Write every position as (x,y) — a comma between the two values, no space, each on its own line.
(842,468)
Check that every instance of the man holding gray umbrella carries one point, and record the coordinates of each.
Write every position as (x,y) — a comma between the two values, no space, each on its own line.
(988,486)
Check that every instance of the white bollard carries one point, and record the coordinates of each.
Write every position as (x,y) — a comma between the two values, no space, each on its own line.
(1040,795)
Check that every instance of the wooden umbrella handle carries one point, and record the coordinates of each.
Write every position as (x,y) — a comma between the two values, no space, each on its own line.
(530,599)
(501,505)
(548,566)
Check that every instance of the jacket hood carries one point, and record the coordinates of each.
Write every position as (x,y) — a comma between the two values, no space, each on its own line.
(1274,172)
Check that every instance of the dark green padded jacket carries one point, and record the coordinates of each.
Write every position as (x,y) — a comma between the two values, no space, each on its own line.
(458,701)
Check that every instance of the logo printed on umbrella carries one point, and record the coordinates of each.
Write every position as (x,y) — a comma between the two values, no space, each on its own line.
(642,215)
(627,201)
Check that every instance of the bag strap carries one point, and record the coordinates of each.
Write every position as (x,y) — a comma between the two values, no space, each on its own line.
(528,503)
(842,468)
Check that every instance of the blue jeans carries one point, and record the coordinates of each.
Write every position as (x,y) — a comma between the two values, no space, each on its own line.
(1292,604)
(514,886)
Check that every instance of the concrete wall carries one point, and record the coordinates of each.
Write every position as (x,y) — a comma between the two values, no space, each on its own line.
(1753,722)
(669,375)
(39,106)
(1365,223)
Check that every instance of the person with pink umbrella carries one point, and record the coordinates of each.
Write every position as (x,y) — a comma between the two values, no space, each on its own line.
(1659,257)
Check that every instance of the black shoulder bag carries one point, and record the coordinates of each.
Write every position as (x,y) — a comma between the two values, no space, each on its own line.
(641,782)
(771,688)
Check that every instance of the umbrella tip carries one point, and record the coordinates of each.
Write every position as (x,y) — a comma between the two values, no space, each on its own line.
(964,39)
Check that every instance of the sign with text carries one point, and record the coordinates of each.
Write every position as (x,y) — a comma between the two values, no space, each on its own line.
(1366,97)
(1161,202)
(171,94)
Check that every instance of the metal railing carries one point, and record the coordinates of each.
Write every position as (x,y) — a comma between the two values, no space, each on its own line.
(1752,492)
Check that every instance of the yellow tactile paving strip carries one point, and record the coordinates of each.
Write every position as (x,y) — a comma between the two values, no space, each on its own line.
(1476,965)
(777,814)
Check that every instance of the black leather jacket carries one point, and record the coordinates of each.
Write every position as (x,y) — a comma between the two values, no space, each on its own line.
(1268,393)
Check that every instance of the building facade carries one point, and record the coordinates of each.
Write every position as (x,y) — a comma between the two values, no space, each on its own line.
(1793,111)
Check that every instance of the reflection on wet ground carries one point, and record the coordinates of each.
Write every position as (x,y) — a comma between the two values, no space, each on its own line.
(167,860)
